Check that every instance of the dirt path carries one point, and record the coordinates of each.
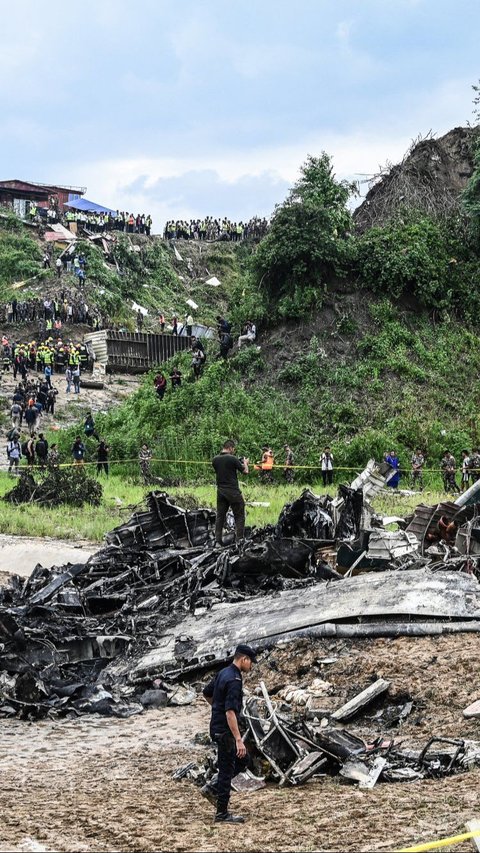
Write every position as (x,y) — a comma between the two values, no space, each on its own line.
(20,554)
(70,408)
(94,784)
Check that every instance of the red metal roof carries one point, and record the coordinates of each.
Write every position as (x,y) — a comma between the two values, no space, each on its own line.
(15,183)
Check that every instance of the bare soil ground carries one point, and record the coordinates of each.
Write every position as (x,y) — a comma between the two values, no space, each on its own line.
(70,408)
(94,784)
(20,554)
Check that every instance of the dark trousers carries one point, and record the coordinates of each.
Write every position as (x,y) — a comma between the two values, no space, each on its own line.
(236,502)
(327,477)
(228,767)
(102,466)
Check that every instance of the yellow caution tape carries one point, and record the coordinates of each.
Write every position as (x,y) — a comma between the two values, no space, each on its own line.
(443,842)
(208,463)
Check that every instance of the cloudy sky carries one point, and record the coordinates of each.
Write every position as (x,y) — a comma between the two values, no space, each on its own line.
(207,107)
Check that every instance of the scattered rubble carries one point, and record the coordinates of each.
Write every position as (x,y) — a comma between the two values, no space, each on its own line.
(161,602)
(287,748)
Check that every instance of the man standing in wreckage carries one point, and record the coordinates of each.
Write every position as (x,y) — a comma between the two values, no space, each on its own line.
(224,693)
(227,466)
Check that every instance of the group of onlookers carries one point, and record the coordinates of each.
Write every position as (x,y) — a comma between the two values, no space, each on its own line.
(52,312)
(95,221)
(469,469)
(132,223)
(215,229)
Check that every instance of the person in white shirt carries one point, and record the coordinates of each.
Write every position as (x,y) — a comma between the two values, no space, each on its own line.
(249,334)
(326,462)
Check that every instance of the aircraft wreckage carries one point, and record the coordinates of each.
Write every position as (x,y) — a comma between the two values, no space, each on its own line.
(160,600)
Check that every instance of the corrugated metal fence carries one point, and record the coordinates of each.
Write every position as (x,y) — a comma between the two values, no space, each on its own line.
(134,352)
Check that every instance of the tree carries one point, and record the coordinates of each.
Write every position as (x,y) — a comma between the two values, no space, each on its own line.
(471,198)
(408,256)
(476,102)
(471,195)
(306,243)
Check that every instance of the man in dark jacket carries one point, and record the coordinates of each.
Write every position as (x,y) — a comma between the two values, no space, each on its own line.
(31,416)
(102,457)
(41,449)
(224,693)
(226,344)
(78,451)
(89,427)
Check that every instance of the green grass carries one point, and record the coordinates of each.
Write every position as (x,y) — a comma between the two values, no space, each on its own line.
(65,522)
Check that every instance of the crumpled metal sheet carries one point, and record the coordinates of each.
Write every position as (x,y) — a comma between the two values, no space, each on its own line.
(308,517)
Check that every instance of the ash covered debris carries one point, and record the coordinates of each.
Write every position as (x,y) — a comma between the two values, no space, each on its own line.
(160,601)
(289,744)
(60,627)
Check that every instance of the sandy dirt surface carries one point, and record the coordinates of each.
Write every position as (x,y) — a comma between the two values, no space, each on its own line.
(94,784)
(20,554)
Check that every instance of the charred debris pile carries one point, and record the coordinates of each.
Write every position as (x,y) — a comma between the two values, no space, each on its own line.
(291,737)
(159,602)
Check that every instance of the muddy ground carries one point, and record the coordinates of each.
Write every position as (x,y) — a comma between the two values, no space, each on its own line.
(94,784)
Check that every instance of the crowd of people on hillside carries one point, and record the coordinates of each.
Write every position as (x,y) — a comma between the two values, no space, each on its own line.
(211,229)
(38,367)
(131,223)
(39,453)
(52,312)
(97,222)
(198,353)
(49,357)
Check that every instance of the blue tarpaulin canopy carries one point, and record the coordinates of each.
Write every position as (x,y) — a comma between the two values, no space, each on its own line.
(91,206)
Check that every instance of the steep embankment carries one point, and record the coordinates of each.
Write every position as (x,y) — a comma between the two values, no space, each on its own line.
(363,375)
(124,270)
(361,372)
(430,178)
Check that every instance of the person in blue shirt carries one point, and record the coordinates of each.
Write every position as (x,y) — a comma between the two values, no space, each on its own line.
(394,461)
(225,694)
(78,451)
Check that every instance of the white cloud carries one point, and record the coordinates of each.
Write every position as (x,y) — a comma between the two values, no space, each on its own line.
(343,31)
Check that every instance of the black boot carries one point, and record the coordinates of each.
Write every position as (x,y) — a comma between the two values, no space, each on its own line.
(228,817)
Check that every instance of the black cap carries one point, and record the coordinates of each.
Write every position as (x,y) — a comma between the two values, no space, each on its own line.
(243,649)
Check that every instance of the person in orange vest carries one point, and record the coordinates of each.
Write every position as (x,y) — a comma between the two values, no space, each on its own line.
(266,465)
